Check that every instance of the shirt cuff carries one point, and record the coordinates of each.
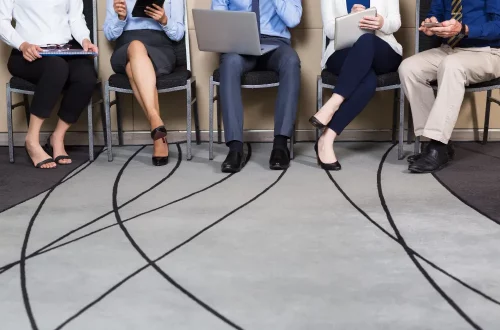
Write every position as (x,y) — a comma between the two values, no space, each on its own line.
(385,27)
(170,26)
(475,31)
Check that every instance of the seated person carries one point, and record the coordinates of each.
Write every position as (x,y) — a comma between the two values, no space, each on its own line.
(274,17)
(41,24)
(469,54)
(144,50)
(357,68)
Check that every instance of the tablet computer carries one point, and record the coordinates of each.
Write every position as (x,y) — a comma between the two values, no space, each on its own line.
(140,7)
(347,30)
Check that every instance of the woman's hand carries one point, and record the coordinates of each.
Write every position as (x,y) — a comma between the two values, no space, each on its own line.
(371,22)
(157,13)
(30,52)
(120,7)
(89,46)
(357,8)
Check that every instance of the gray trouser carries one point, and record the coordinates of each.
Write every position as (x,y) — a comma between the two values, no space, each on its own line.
(285,61)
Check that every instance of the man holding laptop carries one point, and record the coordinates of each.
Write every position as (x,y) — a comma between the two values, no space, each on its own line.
(274,18)
(469,54)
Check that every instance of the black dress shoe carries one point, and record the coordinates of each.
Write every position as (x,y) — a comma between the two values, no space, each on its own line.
(234,162)
(327,166)
(280,159)
(434,159)
(413,158)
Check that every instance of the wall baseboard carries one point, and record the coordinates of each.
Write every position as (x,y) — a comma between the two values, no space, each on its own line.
(142,137)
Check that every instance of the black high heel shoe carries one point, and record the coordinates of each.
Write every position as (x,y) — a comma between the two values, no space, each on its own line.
(159,133)
(160,161)
(316,123)
(327,166)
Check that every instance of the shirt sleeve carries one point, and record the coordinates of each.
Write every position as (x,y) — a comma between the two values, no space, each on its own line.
(328,15)
(392,22)
(77,22)
(113,26)
(290,11)
(220,4)
(437,10)
(7,33)
(175,28)
(491,29)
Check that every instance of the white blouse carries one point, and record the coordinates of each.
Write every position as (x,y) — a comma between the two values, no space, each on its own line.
(42,22)
(389,9)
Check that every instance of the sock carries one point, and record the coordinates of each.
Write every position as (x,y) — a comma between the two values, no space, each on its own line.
(280,142)
(235,146)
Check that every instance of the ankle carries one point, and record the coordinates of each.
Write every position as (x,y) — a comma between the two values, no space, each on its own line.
(235,145)
(280,142)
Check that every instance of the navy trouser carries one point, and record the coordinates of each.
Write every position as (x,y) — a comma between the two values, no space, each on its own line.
(357,68)
(285,61)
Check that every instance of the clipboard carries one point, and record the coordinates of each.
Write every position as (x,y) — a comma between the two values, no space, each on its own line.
(347,30)
(66,52)
(140,7)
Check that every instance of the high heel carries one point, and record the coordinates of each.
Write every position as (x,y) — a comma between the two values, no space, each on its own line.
(160,161)
(327,166)
(158,133)
(316,123)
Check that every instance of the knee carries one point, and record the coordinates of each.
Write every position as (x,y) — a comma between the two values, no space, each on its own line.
(291,61)
(136,48)
(232,63)
(408,68)
(366,38)
(451,65)
(87,78)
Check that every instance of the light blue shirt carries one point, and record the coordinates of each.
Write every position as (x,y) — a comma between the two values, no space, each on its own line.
(174,9)
(276,16)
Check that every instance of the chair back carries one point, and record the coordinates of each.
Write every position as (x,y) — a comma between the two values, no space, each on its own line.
(182,47)
(90,13)
(423,42)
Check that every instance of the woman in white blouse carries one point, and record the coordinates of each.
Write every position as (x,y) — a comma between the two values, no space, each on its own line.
(356,67)
(49,23)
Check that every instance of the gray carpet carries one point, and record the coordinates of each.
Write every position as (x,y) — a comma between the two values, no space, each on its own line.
(124,245)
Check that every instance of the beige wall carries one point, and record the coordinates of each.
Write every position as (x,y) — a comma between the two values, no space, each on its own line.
(258,114)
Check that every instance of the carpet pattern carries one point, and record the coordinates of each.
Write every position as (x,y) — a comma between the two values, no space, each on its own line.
(124,245)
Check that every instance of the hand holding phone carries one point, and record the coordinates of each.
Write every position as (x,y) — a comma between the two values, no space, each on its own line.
(432,24)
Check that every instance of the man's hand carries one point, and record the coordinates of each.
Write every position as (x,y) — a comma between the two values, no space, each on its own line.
(30,52)
(120,7)
(157,13)
(448,29)
(357,8)
(89,46)
(371,22)
(426,30)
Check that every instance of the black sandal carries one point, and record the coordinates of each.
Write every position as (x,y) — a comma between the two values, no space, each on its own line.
(50,151)
(43,162)
(62,157)
(159,133)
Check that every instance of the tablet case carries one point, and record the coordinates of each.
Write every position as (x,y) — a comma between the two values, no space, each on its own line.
(140,7)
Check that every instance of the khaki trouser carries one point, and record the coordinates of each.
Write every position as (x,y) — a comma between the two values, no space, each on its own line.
(435,116)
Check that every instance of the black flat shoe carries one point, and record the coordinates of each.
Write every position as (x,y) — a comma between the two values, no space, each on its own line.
(43,162)
(159,133)
(160,161)
(234,162)
(327,166)
(316,123)
(413,158)
(280,159)
(433,160)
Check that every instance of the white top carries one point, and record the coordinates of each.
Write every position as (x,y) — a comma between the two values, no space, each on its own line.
(389,9)
(42,22)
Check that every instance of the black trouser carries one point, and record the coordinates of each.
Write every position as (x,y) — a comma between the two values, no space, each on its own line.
(74,76)
(357,68)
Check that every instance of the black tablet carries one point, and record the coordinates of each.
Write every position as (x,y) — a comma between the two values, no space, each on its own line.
(140,7)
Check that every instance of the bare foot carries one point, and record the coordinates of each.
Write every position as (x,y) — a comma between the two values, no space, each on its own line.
(325,150)
(160,148)
(57,144)
(37,155)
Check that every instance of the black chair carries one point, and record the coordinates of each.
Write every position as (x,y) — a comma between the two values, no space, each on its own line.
(389,81)
(423,43)
(250,80)
(180,79)
(21,86)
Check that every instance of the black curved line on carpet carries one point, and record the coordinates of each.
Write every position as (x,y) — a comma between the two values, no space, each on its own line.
(424,259)
(6,267)
(408,251)
(117,285)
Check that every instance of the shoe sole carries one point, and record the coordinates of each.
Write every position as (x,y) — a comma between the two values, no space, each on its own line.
(278,167)
(429,172)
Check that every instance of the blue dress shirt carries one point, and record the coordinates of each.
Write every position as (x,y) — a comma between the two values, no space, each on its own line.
(351,3)
(481,16)
(276,16)
(174,9)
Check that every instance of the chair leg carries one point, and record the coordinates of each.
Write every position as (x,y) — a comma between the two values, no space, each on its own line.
(319,102)
(10,134)
(196,116)
(90,129)
(410,135)
(211,119)
(119,119)
(26,102)
(395,115)
(401,123)
(219,116)
(416,146)
(107,125)
(189,119)
(487,117)
(292,144)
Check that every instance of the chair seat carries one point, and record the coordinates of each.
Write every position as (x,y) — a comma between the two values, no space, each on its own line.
(19,83)
(383,80)
(255,78)
(175,79)
(485,84)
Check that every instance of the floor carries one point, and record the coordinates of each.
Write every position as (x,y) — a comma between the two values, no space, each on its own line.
(124,245)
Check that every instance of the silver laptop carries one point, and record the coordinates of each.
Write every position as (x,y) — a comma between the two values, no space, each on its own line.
(223,31)
(347,30)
